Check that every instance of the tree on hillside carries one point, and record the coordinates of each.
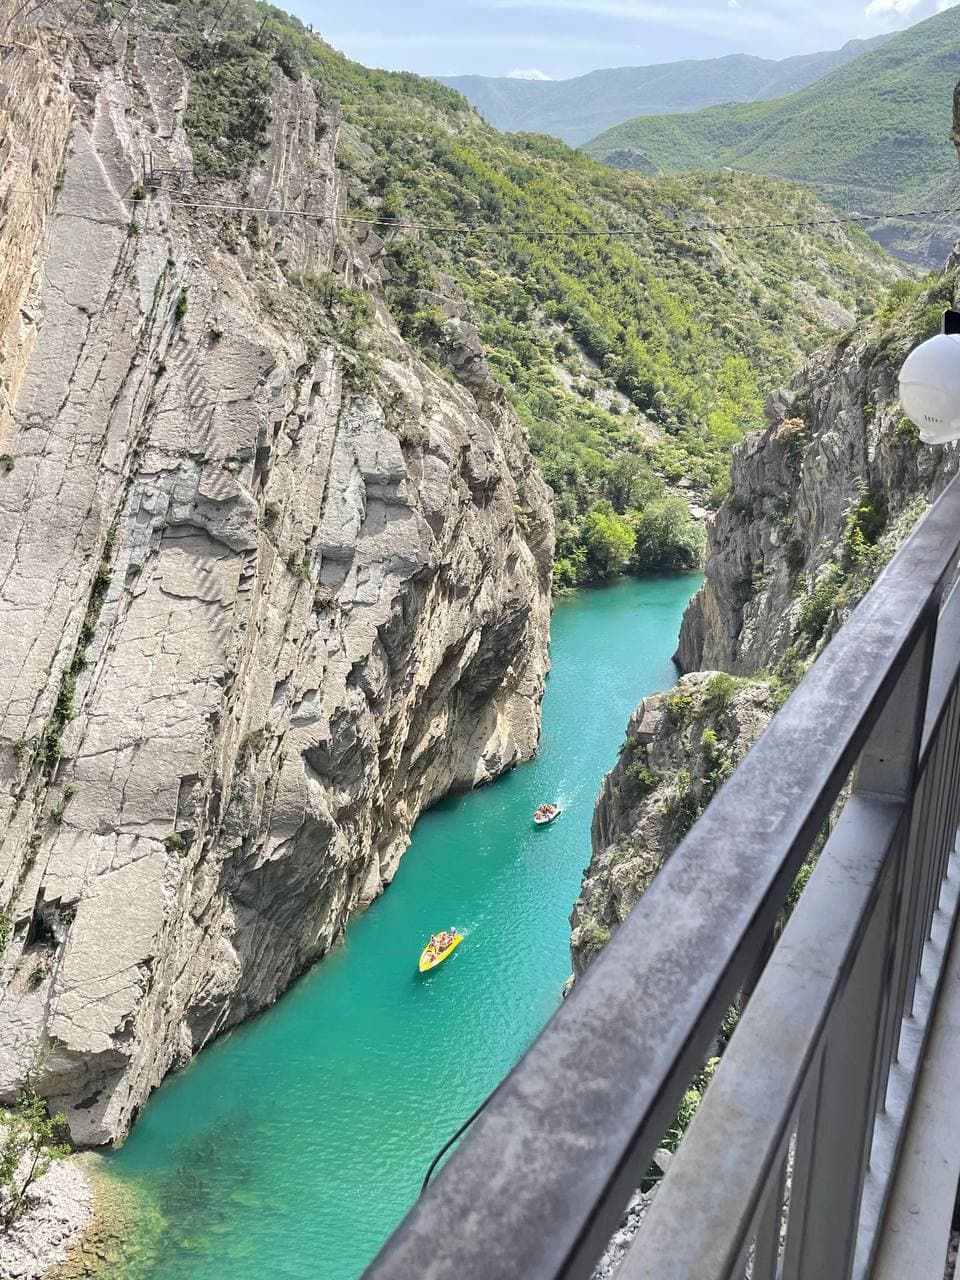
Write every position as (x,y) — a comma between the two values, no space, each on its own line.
(667,536)
(609,541)
(631,484)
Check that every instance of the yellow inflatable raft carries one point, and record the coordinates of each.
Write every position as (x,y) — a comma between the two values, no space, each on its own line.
(438,948)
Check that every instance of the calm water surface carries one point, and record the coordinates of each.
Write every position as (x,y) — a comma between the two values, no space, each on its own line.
(292,1147)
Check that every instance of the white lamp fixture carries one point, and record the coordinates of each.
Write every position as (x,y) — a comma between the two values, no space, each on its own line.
(930,384)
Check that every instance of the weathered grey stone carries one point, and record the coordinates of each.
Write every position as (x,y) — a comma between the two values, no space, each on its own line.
(836,433)
(665,775)
(282,615)
(58,1208)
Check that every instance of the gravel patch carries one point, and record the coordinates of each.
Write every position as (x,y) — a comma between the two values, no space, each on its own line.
(630,1224)
(60,1205)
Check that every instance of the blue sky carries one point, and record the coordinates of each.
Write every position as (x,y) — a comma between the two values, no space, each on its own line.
(559,38)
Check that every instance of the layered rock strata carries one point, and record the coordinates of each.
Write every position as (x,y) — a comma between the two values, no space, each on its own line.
(836,440)
(818,503)
(269,583)
(679,748)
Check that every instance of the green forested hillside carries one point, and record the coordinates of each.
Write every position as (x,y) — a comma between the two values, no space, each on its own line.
(578,109)
(869,136)
(635,325)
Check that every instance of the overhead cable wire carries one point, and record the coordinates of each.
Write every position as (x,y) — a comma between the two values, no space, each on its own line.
(490,228)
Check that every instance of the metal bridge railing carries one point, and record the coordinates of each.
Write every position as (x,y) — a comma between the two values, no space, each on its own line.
(787,1166)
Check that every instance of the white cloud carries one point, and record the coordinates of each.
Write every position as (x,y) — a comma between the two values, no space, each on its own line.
(901,7)
(732,4)
(534,73)
(946,4)
(777,18)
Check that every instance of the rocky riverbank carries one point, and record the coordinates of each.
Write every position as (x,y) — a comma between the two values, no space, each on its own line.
(60,1209)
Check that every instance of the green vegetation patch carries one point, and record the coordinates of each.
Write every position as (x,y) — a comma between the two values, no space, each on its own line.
(228,105)
(635,325)
(870,135)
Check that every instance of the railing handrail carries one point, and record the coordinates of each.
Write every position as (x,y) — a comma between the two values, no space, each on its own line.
(539,1184)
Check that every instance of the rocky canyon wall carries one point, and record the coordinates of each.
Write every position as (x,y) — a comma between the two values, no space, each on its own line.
(818,503)
(270,584)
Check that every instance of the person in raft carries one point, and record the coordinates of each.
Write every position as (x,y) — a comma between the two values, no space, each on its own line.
(546,811)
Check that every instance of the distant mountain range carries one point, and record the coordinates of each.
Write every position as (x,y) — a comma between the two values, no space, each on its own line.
(871,135)
(579,109)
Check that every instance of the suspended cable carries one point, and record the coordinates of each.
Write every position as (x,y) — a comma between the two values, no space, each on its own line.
(450,1141)
(473,229)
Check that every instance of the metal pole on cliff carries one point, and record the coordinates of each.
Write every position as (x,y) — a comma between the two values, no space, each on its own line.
(216,21)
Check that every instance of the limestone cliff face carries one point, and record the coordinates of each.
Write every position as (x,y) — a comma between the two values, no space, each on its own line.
(679,748)
(837,443)
(818,502)
(269,583)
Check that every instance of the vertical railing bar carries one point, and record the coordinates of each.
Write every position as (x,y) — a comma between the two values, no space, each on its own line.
(807,1114)
(909,852)
(766,1252)
(845,1124)
(917,903)
(948,823)
(855,1032)
(877,1189)
(887,1020)
(931,849)
(950,831)
(953,811)
(949,771)
(946,663)
(909,891)
(946,758)
(912,891)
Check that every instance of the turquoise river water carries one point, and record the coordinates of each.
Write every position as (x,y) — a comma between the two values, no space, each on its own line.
(292,1147)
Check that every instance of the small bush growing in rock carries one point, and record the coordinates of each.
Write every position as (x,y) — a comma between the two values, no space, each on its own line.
(252,744)
(819,607)
(640,773)
(6,462)
(906,433)
(593,936)
(864,525)
(288,60)
(719,693)
(49,749)
(679,707)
